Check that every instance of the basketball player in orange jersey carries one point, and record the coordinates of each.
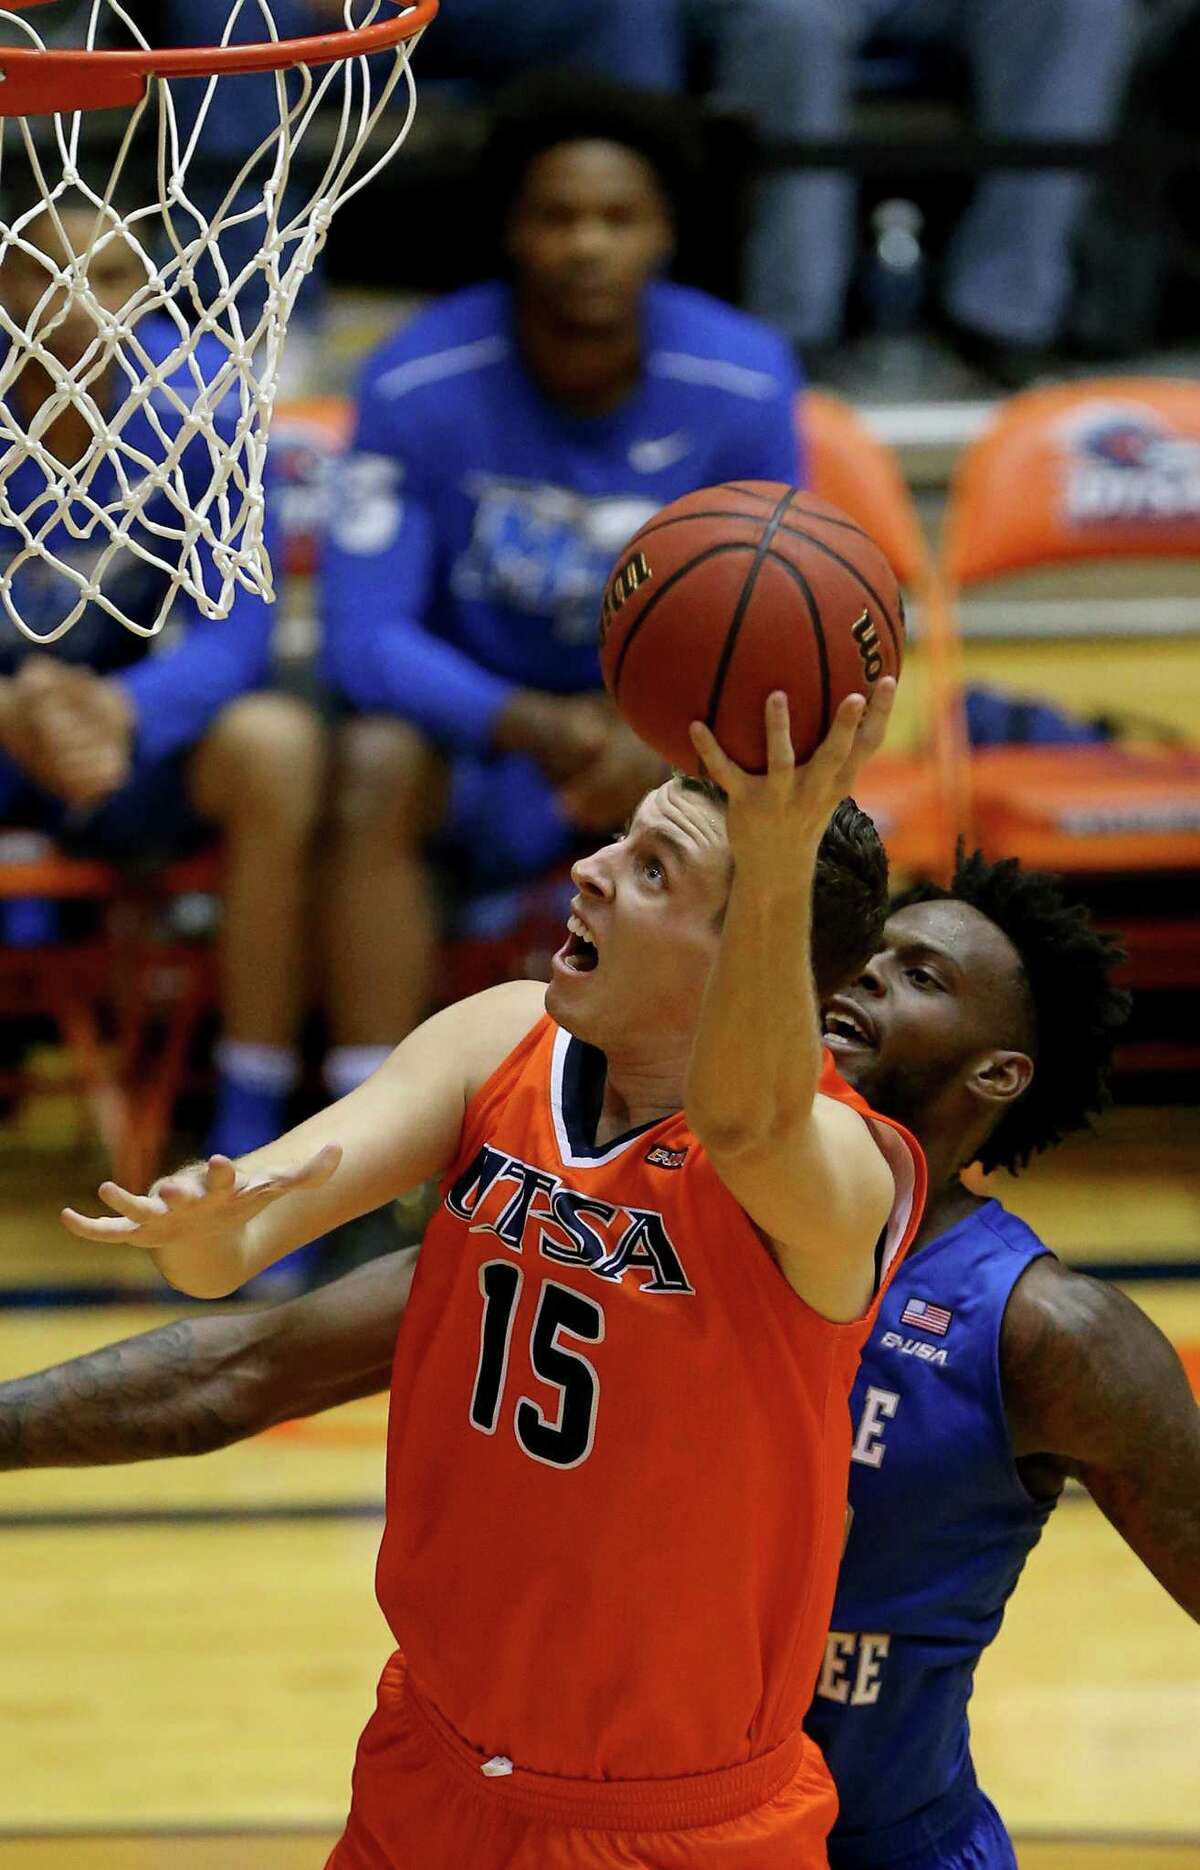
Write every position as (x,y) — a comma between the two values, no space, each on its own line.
(621,1433)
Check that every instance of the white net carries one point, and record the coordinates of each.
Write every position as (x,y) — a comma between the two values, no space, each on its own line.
(145,293)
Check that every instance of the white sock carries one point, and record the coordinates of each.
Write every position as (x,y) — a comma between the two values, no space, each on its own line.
(348,1066)
(273,1069)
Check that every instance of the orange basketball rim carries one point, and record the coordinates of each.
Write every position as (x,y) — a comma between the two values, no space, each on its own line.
(36,80)
(181,378)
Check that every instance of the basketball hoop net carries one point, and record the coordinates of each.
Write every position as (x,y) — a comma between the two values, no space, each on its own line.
(169,394)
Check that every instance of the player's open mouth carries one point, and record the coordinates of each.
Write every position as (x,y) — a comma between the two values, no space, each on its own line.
(845,1025)
(578,953)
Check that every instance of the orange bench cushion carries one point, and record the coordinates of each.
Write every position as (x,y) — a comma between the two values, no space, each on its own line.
(1097,808)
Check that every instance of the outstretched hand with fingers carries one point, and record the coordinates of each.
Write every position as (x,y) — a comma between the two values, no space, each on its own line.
(771,813)
(207,1202)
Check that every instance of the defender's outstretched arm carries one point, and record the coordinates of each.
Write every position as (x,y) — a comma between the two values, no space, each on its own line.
(1093,1387)
(208,1380)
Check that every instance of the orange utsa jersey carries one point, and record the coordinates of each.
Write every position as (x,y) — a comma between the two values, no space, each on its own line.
(619,1442)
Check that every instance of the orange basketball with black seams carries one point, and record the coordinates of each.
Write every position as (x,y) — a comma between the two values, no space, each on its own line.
(737,590)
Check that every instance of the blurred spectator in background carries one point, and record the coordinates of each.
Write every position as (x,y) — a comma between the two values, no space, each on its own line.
(1041,68)
(1141,233)
(133,757)
(484,41)
(508,441)
(638,42)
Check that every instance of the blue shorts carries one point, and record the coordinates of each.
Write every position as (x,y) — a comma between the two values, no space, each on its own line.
(149,822)
(503,824)
(977,1841)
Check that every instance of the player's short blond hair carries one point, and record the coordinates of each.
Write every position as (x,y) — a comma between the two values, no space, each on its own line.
(850,891)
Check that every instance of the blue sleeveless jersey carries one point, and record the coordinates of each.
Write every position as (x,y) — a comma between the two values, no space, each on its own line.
(940,1530)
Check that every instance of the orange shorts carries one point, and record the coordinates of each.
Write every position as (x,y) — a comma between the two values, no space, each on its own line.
(421,1802)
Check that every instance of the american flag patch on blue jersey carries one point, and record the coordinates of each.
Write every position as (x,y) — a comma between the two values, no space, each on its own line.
(927,1317)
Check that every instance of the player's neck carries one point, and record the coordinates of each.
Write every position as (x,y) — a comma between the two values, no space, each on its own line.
(589,373)
(949,1202)
(639,1091)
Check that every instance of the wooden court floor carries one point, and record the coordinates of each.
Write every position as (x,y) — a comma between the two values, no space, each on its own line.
(275,1851)
(188,1650)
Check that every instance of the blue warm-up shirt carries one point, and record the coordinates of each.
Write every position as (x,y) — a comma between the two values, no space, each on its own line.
(475,521)
(177,683)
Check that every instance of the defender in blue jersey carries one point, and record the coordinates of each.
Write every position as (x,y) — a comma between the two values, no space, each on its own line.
(131,750)
(508,441)
(985,1022)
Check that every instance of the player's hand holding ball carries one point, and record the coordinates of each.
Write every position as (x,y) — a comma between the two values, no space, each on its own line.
(734,592)
(772,817)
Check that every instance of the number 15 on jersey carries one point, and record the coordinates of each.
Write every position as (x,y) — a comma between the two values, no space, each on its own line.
(565,1438)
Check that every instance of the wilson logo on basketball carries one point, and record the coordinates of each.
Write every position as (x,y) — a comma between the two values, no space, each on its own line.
(627,579)
(864,635)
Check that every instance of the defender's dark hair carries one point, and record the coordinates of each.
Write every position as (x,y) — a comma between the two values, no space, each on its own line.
(850,899)
(554,107)
(1075,1011)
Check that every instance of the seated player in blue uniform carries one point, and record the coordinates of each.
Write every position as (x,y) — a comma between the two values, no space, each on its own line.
(127,754)
(986,1022)
(508,441)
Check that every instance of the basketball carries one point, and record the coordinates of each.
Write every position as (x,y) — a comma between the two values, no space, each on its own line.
(737,590)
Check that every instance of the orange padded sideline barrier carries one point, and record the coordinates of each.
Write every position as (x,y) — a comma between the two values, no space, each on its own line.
(1104,469)
(1100,470)
(1091,808)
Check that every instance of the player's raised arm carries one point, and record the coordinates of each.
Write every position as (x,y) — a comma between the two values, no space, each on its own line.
(804,1167)
(214,1225)
(1093,1388)
(212,1379)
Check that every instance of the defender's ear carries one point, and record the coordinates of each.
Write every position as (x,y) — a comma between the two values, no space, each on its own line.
(1001,1077)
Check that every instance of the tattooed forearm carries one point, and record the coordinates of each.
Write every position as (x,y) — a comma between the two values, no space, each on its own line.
(170,1392)
(211,1379)
(1093,1389)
